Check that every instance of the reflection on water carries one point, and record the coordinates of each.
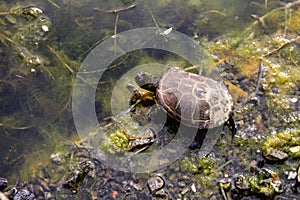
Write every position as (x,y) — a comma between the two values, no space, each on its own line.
(44,42)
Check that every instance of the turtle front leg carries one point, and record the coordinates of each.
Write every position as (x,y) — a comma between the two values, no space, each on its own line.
(142,98)
(140,103)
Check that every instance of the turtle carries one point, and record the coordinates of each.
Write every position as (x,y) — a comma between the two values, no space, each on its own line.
(193,100)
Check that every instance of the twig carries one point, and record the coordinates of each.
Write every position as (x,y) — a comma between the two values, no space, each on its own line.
(259,19)
(227,163)
(8,39)
(68,66)
(293,60)
(101,70)
(92,47)
(15,127)
(259,77)
(5,13)
(116,24)
(154,20)
(9,162)
(215,11)
(115,10)
(222,191)
(141,150)
(197,67)
(281,46)
(258,81)
(116,29)
(285,21)
(53,3)
(292,4)
(262,18)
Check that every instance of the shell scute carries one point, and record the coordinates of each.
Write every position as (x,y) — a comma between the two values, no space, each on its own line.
(194,100)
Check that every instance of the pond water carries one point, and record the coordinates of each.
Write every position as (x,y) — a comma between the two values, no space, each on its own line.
(44,43)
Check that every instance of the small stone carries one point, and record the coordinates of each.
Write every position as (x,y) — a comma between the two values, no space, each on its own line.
(136,186)
(193,187)
(229,61)
(3,197)
(169,30)
(185,191)
(225,183)
(24,194)
(292,175)
(184,177)
(181,183)
(56,158)
(295,149)
(32,70)
(275,155)
(45,28)
(34,61)
(254,99)
(294,100)
(155,183)
(48,195)
(241,183)
(3,183)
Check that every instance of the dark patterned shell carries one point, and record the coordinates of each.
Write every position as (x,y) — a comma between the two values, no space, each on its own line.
(194,100)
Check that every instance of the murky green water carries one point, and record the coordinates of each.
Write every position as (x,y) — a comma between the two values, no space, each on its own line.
(43,44)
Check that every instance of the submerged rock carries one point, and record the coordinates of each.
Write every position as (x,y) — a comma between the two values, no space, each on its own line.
(263,183)
(282,145)
(155,183)
(274,155)
(24,194)
(3,183)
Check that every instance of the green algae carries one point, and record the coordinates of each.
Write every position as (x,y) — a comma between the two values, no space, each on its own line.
(119,140)
(284,141)
(205,171)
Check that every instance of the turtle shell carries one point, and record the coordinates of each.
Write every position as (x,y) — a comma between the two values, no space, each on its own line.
(194,100)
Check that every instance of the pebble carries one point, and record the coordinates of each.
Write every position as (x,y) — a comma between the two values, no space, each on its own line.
(193,187)
(295,149)
(184,177)
(56,158)
(45,28)
(292,175)
(24,194)
(3,183)
(48,195)
(185,190)
(275,155)
(44,185)
(294,100)
(2,196)
(155,183)
(136,186)
(181,183)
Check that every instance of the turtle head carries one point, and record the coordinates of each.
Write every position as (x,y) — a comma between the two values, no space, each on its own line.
(146,81)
